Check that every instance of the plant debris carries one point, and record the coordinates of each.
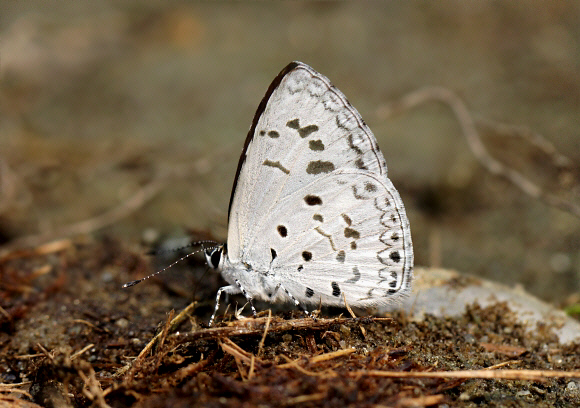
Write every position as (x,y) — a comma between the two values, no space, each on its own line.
(72,337)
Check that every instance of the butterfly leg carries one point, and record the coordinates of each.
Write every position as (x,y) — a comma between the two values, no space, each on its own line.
(248,297)
(296,302)
(230,290)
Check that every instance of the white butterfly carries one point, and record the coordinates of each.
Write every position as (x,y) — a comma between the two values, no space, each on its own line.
(313,218)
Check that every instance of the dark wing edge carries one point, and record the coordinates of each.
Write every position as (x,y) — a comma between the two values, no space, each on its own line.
(261,107)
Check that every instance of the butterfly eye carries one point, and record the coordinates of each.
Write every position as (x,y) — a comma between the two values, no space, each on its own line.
(213,257)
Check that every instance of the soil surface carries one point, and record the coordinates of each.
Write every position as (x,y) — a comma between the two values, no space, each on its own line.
(71,336)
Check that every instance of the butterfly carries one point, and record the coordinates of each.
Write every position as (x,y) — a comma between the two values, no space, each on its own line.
(313,218)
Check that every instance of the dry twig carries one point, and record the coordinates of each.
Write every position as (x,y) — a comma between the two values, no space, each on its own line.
(261,345)
(93,390)
(252,327)
(469,130)
(532,375)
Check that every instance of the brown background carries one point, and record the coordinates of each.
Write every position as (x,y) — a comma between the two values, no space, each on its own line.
(98,98)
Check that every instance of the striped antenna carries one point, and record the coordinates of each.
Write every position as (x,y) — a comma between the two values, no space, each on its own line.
(214,245)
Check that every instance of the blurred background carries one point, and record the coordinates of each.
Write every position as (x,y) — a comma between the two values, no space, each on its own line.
(132,116)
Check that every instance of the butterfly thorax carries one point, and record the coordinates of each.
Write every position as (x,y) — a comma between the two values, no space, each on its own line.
(259,284)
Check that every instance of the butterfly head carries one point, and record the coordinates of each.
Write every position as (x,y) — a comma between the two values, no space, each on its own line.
(215,256)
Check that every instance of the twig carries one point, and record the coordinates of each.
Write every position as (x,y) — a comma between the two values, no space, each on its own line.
(240,355)
(16,390)
(331,355)
(294,364)
(535,139)
(46,353)
(252,366)
(469,130)
(164,333)
(252,327)
(348,307)
(10,388)
(5,313)
(93,391)
(83,350)
(189,370)
(261,345)
(129,371)
(424,401)
(83,321)
(533,375)
(305,398)
(44,249)
(232,348)
(503,364)
(321,357)
(174,323)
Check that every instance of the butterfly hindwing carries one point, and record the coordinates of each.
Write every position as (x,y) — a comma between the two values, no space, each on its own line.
(350,238)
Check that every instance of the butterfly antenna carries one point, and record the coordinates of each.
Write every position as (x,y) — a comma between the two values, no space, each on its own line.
(133,283)
(192,244)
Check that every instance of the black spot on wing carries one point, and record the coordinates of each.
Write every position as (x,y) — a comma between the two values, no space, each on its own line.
(346,219)
(360,164)
(313,200)
(351,233)
(356,194)
(335,289)
(354,147)
(307,130)
(356,275)
(395,256)
(319,166)
(316,145)
(370,187)
(282,231)
(277,165)
(340,256)
(307,255)
(293,124)
(261,108)
(309,293)
(273,134)
(318,217)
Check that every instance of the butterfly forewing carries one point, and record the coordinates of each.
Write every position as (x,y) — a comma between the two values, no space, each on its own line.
(312,205)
